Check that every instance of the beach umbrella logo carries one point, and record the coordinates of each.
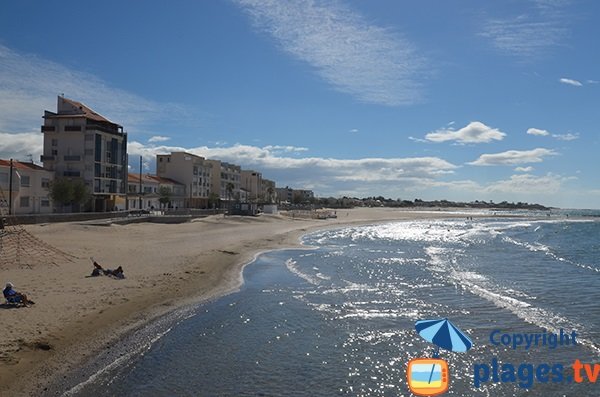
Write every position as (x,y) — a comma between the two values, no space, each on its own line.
(430,376)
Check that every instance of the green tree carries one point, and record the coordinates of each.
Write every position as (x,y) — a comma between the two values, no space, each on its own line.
(69,192)
(164,196)
(213,200)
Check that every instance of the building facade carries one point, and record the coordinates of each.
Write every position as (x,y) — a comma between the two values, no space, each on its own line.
(269,192)
(30,190)
(150,188)
(194,172)
(81,144)
(252,183)
(225,180)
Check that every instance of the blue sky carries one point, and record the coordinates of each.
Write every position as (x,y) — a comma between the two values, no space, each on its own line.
(462,100)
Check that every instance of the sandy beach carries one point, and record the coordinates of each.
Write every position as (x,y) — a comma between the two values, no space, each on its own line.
(166,266)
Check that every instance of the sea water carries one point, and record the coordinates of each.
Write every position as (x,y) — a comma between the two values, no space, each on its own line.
(339,319)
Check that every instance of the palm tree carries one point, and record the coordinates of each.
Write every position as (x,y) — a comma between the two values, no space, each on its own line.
(229,188)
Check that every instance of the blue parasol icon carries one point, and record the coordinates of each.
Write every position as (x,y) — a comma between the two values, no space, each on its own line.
(442,333)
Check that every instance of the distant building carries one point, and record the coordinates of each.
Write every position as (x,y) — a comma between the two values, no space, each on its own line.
(151,193)
(252,183)
(194,172)
(81,144)
(284,194)
(225,175)
(302,195)
(30,187)
(269,192)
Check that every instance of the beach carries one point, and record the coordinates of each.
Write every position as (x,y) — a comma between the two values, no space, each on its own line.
(166,266)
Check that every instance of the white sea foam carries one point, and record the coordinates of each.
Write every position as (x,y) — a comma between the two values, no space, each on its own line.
(291,266)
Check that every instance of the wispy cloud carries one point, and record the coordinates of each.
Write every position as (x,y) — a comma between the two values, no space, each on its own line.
(561,137)
(514,157)
(527,184)
(30,84)
(371,63)
(531,33)
(537,131)
(524,169)
(331,174)
(158,138)
(572,82)
(474,132)
(566,137)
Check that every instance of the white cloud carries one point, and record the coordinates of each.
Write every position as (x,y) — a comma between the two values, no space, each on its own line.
(158,138)
(513,157)
(536,131)
(474,132)
(592,81)
(354,130)
(21,145)
(30,84)
(527,184)
(566,137)
(285,149)
(371,63)
(570,82)
(330,174)
(524,169)
(538,28)
(561,137)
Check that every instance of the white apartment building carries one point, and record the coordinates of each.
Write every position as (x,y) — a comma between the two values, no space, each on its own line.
(30,191)
(225,175)
(150,188)
(194,172)
(80,143)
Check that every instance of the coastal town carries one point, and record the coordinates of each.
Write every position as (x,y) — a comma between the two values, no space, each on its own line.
(86,168)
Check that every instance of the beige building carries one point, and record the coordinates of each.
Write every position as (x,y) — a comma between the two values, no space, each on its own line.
(224,175)
(252,183)
(30,192)
(194,172)
(81,144)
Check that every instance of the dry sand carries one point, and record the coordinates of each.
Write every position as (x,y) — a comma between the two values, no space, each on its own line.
(166,266)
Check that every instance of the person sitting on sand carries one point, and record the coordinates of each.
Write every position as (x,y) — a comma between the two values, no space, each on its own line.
(98,270)
(13,296)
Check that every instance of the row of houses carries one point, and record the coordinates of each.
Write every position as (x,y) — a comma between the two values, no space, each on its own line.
(82,145)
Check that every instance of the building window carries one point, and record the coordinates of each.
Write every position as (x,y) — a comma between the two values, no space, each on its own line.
(25,180)
(3,177)
(44,202)
(24,202)
(54,142)
(54,152)
(45,183)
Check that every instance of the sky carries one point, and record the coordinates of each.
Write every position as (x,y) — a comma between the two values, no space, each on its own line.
(458,100)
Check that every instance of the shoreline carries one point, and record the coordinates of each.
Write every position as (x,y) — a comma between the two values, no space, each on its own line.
(193,277)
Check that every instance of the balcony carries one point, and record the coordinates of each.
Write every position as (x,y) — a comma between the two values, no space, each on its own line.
(48,128)
(72,173)
(71,128)
(47,158)
(72,158)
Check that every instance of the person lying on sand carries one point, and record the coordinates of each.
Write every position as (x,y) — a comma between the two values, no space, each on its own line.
(13,296)
(99,270)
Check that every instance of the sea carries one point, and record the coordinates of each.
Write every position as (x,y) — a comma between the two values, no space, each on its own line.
(338,317)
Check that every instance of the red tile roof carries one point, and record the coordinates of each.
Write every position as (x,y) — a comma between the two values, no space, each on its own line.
(22,166)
